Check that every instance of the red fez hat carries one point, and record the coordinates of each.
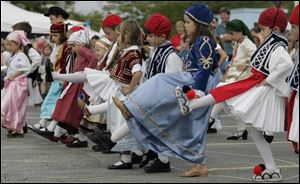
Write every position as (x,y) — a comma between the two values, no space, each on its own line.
(112,20)
(159,24)
(58,28)
(76,28)
(294,18)
(272,17)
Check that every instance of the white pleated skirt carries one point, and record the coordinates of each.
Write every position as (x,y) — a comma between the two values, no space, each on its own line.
(261,107)
(294,129)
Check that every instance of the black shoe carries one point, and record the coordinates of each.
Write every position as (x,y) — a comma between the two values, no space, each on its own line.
(14,135)
(106,141)
(95,136)
(209,129)
(98,148)
(122,166)
(48,67)
(269,138)
(237,135)
(135,159)
(157,166)
(78,144)
(47,134)
(101,127)
(106,151)
(151,155)
(25,129)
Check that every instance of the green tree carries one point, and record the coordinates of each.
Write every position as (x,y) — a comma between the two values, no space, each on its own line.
(140,10)
(94,17)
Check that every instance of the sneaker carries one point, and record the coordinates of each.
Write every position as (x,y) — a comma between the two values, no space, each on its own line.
(182,101)
(157,166)
(269,176)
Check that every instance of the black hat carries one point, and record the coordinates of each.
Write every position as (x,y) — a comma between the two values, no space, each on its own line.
(55,10)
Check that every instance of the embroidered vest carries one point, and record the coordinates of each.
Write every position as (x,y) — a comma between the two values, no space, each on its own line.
(122,69)
(261,58)
(157,63)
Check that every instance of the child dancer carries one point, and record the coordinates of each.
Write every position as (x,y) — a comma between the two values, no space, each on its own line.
(151,110)
(293,106)
(15,92)
(63,51)
(163,59)
(260,98)
(67,111)
(239,69)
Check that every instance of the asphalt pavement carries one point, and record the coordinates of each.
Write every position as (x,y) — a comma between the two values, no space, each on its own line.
(36,159)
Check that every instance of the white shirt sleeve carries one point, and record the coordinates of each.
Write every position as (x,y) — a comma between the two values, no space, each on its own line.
(173,63)
(136,68)
(35,58)
(280,66)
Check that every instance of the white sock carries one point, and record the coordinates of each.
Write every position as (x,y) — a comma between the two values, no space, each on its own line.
(264,149)
(57,131)
(207,100)
(163,159)
(120,133)
(95,109)
(137,152)
(216,110)
(81,136)
(40,124)
(73,77)
(52,125)
(241,126)
(126,157)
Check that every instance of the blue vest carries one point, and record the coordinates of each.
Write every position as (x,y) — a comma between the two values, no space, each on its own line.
(158,60)
(201,61)
(293,79)
(261,58)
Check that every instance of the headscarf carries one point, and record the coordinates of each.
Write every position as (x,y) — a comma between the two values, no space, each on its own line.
(18,36)
(79,37)
(104,43)
(239,26)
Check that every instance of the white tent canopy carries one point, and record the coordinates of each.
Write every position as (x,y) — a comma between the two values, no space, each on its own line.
(11,14)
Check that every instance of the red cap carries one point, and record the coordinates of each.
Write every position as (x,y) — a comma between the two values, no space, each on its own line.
(159,24)
(76,28)
(111,20)
(294,18)
(58,28)
(272,17)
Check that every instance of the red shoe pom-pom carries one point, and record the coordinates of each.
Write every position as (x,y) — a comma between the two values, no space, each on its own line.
(258,169)
(191,94)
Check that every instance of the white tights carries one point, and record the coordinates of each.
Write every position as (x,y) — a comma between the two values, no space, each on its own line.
(71,77)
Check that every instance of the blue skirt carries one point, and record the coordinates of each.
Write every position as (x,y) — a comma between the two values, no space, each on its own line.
(158,124)
(51,99)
